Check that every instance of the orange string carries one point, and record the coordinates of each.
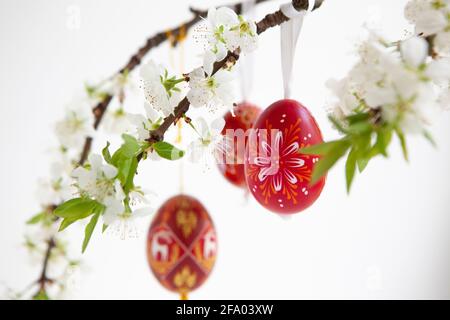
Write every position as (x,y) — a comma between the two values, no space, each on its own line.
(180,40)
(184,295)
(181,37)
(171,39)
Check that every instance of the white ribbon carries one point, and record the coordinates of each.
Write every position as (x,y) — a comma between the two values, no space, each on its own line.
(246,65)
(290,32)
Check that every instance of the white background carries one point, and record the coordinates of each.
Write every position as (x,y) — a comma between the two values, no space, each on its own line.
(388,239)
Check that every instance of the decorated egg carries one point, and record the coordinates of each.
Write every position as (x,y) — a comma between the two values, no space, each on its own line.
(232,166)
(181,244)
(278,176)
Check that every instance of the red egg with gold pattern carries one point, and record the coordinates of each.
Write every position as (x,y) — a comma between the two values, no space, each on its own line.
(232,168)
(181,244)
(278,176)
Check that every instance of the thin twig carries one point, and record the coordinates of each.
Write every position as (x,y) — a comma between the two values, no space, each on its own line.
(43,279)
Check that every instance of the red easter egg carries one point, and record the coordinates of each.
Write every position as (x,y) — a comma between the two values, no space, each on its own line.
(245,115)
(181,244)
(277,175)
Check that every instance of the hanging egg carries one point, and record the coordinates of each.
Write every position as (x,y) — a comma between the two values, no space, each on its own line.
(277,175)
(181,244)
(232,168)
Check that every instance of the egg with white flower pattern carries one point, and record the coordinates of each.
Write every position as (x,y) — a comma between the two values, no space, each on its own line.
(278,176)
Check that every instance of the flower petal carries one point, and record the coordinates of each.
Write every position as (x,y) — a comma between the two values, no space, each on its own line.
(208,62)
(151,113)
(217,126)
(439,70)
(109,171)
(202,127)
(143,212)
(414,51)
(95,160)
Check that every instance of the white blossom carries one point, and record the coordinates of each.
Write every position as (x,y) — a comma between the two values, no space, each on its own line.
(69,279)
(401,83)
(114,205)
(442,42)
(97,180)
(143,124)
(226,31)
(414,51)
(431,17)
(121,220)
(58,188)
(121,84)
(210,142)
(160,91)
(116,121)
(213,91)
(344,92)
(76,125)
(36,240)
(438,71)
(219,20)
(242,35)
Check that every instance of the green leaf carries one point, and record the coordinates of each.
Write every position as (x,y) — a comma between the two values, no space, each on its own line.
(41,295)
(89,230)
(401,137)
(362,164)
(323,148)
(359,128)
(77,209)
(37,218)
(130,147)
(126,168)
(167,151)
(363,149)
(65,223)
(329,160)
(358,117)
(104,227)
(384,137)
(337,124)
(350,168)
(106,154)
(125,160)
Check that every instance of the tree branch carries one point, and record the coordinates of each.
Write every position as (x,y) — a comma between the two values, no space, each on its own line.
(100,109)
(152,42)
(269,21)
(136,59)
